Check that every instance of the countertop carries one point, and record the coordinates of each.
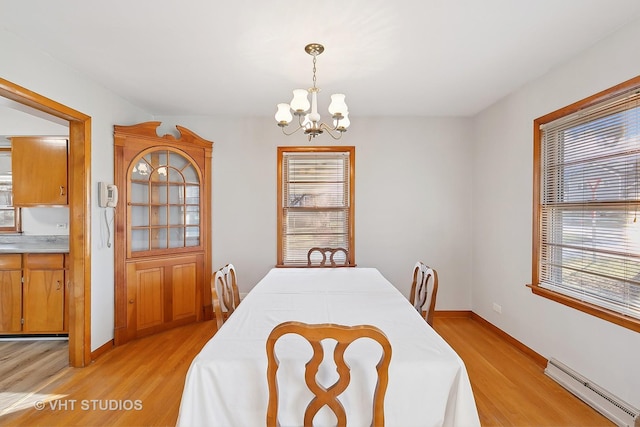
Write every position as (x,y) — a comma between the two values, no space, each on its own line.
(17,244)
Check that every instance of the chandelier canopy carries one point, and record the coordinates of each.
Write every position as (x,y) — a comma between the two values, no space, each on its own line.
(310,120)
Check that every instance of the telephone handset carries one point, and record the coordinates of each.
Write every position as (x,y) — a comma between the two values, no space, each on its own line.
(107,195)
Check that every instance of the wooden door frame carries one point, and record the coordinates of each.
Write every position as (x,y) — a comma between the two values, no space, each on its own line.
(79,167)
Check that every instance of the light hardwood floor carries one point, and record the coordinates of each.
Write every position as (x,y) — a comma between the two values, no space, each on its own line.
(509,387)
(26,365)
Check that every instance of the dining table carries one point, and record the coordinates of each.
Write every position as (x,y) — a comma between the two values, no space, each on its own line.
(226,384)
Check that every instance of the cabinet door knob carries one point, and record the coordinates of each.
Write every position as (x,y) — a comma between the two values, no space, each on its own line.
(62,190)
(59,285)
(130,301)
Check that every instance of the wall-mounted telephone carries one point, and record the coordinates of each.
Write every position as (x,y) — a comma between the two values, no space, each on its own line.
(107,195)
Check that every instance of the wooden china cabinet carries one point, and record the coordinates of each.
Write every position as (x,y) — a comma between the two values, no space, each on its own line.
(162,230)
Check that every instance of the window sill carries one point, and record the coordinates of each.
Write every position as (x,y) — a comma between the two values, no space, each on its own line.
(594,310)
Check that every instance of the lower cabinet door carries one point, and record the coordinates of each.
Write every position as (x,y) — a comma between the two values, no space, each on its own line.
(10,301)
(163,293)
(43,301)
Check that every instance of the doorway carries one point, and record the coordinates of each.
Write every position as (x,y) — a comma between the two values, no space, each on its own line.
(79,215)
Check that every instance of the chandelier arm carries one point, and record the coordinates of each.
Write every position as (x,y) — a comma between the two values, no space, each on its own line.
(294,131)
(331,131)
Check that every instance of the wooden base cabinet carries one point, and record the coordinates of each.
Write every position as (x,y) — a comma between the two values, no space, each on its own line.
(32,294)
(43,293)
(163,293)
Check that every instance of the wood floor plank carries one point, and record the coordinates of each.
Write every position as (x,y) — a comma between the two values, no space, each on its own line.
(25,365)
(509,388)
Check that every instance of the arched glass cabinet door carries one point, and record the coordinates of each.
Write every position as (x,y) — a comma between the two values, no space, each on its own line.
(164,202)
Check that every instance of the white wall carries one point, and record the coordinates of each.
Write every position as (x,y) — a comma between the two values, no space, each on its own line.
(23,65)
(502,205)
(43,221)
(413,196)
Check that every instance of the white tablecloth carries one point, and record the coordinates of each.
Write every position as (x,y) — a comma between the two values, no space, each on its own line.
(226,384)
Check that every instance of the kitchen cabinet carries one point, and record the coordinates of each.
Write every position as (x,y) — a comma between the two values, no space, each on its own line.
(10,293)
(39,169)
(43,293)
(33,291)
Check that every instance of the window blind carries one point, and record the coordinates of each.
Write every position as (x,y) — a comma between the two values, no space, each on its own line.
(590,203)
(316,203)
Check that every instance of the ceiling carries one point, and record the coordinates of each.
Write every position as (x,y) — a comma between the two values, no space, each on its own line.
(242,57)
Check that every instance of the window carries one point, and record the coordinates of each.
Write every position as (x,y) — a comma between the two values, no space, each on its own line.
(587,205)
(315,201)
(9,215)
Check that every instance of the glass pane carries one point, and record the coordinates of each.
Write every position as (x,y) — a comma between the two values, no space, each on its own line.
(160,174)
(176,237)
(193,195)
(193,215)
(158,193)
(141,171)
(176,194)
(139,240)
(193,236)
(159,238)
(175,175)
(139,192)
(6,193)
(190,174)
(7,217)
(139,216)
(158,215)
(176,215)
(156,158)
(177,161)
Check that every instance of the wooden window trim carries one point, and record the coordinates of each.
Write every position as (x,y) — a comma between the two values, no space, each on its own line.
(325,149)
(594,310)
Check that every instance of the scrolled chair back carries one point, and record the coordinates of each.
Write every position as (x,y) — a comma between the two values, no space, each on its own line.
(424,289)
(224,293)
(327,257)
(344,336)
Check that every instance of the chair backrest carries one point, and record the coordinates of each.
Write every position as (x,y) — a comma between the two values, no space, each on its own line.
(314,334)
(337,257)
(224,293)
(423,290)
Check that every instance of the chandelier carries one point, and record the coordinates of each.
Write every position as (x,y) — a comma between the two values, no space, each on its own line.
(310,120)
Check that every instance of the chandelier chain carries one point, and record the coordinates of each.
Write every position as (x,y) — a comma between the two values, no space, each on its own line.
(314,71)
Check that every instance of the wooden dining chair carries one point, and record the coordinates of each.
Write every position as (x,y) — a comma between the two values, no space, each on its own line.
(224,293)
(341,255)
(344,336)
(424,290)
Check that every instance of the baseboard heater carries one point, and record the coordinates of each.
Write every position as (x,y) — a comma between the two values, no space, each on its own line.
(618,411)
